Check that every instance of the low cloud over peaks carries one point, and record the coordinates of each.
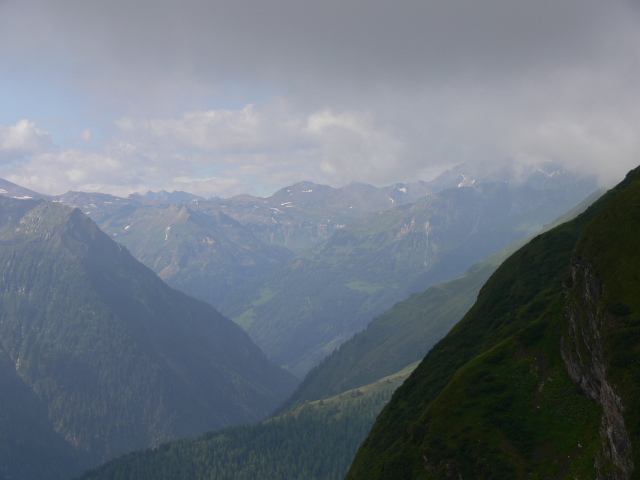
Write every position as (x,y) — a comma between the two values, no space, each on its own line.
(327,91)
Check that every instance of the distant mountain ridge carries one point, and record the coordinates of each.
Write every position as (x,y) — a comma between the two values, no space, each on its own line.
(117,359)
(173,197)
(304,308)
(223,250)
(12,190)
(211,257)
(304,214)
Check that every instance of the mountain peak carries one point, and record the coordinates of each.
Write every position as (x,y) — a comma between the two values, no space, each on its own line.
(12,190)
(104,343)
(174,196)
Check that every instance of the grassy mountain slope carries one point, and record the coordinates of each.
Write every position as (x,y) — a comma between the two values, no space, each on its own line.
(119,359)
(317,440)
(399,337)
(524,386)
(301,311)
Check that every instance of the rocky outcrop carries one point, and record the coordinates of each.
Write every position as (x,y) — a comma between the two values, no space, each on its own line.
(581,352)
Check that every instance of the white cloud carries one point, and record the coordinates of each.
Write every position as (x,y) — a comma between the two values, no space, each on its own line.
(59,171)
(604,147)
(22,139)
(260,140)
(351,146)
(162,153)
(203,186)
(211,131)
(253,96)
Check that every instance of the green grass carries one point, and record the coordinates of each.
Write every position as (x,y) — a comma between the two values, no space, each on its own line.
(246,319)
(343,401)
(361,286)
(515,404)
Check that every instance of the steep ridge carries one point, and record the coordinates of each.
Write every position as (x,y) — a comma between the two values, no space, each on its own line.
(540,378)
(118,359)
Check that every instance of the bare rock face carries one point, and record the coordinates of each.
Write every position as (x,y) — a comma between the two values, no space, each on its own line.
(582,355)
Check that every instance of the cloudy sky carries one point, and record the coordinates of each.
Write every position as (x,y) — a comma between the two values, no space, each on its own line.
(224,97)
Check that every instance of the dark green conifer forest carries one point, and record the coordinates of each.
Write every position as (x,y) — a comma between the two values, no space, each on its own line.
(316,440)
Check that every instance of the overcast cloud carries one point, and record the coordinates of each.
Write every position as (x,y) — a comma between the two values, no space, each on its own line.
(220,98)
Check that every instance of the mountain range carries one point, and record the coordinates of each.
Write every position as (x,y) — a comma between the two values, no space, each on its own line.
(359,248)
(159,375)
(304,308)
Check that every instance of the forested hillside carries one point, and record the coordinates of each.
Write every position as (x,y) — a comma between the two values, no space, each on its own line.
(314,441)
(111,356)
(30,448)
